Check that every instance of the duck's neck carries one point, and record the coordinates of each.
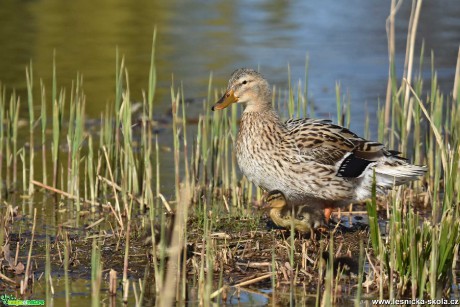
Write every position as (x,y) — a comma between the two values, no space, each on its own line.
(275,215)
(261,115)
(261,108)
(256,127)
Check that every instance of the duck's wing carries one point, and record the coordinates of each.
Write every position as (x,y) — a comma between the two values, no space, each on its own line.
(323,142)
(294,122)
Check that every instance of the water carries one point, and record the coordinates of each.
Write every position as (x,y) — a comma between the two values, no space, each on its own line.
(346,42)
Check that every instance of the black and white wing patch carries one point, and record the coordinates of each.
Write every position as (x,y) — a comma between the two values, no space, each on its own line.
(353,166)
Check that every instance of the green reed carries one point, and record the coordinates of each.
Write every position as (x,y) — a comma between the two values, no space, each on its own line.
(152,77)
(96,273)
(125,280)
(67,250)
(48,285)
(2,132)
(12,115)
(158,270)
(2,229)
(305,91)
(129,165)
(75,138)
(359,287)
(338,103)
(30,103)
(290,93)
(90,171)
(113,145)
(58,104)
(22,157)
(175,96)
(43,121)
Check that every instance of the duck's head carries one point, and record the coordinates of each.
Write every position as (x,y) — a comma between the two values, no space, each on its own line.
(246,86)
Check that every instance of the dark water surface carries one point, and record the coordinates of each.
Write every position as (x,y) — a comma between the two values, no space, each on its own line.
(346,43)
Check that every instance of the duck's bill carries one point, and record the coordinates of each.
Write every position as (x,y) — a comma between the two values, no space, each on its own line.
(226,100)
(265,206)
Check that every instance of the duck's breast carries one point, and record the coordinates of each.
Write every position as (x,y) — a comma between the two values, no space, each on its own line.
(257,151)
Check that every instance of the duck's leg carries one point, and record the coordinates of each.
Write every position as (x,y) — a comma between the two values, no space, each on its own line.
(327,214)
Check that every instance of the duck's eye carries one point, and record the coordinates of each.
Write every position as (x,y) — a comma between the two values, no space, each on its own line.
(244,82)
(304,216)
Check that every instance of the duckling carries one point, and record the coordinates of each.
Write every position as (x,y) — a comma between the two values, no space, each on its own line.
(303,218)
(346,264)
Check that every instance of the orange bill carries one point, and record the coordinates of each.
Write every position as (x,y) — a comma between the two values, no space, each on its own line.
(226,100)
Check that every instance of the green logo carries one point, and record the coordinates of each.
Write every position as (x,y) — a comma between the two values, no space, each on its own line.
(10,300)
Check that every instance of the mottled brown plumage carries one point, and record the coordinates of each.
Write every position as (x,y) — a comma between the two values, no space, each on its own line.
(311,161)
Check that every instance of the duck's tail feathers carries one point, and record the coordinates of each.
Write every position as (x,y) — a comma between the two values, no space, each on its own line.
(389,175)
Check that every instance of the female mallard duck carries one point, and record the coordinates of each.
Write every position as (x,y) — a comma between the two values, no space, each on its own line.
(312,162)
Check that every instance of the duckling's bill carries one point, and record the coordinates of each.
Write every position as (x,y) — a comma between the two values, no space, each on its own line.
(226,100)
(276,203)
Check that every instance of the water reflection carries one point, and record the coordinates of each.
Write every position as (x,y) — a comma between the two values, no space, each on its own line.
(346,42)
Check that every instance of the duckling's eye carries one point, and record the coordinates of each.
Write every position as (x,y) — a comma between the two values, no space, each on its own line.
(304,216)
(244,82)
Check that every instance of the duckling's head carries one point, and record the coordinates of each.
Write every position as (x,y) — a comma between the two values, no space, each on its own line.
(246,86)
(276,200)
